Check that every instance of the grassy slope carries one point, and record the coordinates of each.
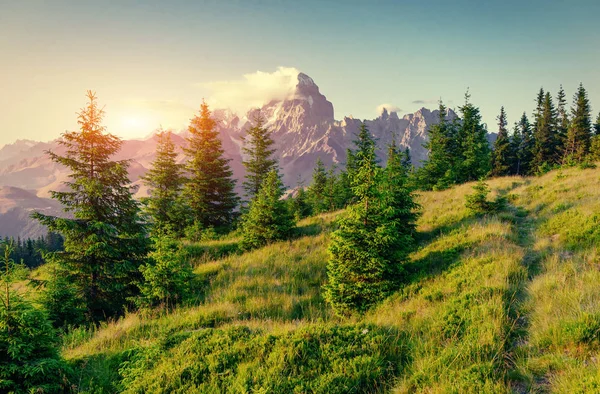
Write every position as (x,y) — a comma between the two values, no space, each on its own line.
(505,303)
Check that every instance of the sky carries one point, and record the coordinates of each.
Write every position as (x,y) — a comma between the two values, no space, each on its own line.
(152,62)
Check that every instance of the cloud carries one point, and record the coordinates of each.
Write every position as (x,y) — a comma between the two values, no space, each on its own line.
(389,107)
(252,90)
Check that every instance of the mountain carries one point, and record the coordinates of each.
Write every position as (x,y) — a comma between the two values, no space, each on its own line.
(15,207)
(303,127)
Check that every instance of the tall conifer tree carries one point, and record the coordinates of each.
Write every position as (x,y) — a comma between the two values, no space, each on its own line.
(437,171)
(545,148)
(258,149)
(165,181)
(209,190)
(268,218)
(105,242)
(367,251)
(502,154)
(562,121)
(475,149)
(580,131)
(525,153)
(317,189)
(398,196)
(597,125)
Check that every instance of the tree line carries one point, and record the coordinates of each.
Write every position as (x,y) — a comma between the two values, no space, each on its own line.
(30,251)
(459,151)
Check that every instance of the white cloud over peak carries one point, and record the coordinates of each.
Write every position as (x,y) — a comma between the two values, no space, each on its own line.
(389,107)
(252,90)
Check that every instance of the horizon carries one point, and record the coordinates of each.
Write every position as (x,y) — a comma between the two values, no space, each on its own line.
(152,64)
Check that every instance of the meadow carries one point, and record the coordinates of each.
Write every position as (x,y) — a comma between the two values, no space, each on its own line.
(496,303)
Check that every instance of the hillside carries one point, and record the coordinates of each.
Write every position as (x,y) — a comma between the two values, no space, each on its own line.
(502,303)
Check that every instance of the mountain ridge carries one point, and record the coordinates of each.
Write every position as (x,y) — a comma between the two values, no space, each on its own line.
(303,127)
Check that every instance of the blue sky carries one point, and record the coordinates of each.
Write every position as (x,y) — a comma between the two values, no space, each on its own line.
(151,62)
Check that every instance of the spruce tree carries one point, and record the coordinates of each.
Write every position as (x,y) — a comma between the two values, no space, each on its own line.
(167,274)
(331,189)
(59,298)
(474,149)
(562,121)
(523,146)
(545,152)
(367,251)
(105,242)
(579,136)
(29,355)
(300,205)
(438,171)
(209,190)
(406,160)
(402,209)
(502,154)
(597,125)
(258,149)
(317,189)
(268,218)
(165,181)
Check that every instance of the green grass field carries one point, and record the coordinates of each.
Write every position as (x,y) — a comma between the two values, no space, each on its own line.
(508,302)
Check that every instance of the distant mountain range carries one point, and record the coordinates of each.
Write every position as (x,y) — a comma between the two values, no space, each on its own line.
(303,128)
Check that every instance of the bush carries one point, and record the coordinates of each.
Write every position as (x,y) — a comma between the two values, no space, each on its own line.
(478,203)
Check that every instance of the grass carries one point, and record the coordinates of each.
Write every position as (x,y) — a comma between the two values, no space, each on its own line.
(500,303)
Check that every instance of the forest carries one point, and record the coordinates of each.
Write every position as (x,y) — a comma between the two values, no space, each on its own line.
(373,277)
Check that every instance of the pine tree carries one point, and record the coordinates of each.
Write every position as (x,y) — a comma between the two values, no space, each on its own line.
(367,251)
(502,154)
(258,149)
(343,190)
(300,206)
(167,274)
(438,171)
(539,109)
(579,136)
(562,121)
(317,189)
(406,160)
(165,181)
(268,218)
(544,152)
(398,198)
(597,125)
(331,189)
(29,357)
(60,300)
(105,242)
(522,146)
(209,190)
(475,149)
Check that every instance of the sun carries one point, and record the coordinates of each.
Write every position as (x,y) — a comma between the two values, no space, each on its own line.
(134,125)
(134,122)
